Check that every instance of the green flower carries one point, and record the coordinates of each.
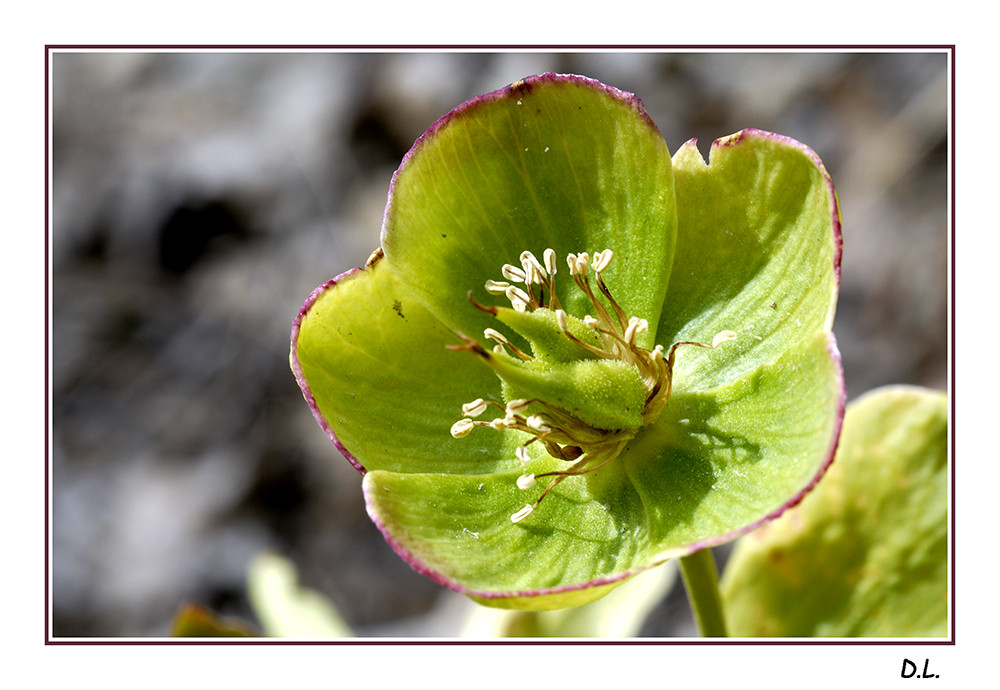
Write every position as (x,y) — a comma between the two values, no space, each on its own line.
(573,358)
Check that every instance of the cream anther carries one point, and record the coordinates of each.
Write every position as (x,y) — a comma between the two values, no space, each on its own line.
(462,427)
(516,293)
(591,322)
(582,263)
(562,319)
(521,514)
(526,481)
(513,273)
(522,455)
(532,268)
(602,259)
(635,327)
(499,424)
(518,298)
(495,335)
(474,408)
(550,261)
(496,287)
(515,406)
(537,423)
(722,336)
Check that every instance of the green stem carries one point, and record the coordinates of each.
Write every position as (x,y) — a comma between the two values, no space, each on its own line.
(701,578)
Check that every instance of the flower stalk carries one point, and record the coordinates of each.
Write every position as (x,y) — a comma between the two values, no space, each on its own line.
(701,579)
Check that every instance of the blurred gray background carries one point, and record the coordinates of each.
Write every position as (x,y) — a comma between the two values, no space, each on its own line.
(198,199)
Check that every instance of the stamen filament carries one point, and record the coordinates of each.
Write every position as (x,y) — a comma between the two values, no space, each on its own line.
(622,317)
(532,268)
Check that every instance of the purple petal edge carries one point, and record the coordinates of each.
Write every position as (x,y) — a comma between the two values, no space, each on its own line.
(440,579)
(518,88)
(511,91)
(838,238)
(831,452)
(297,366)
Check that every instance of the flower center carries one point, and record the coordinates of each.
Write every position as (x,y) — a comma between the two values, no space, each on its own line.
(586,387)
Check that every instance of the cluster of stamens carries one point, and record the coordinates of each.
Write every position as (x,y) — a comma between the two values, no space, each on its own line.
(565,437)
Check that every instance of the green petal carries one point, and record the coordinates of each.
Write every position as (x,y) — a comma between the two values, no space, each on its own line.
(866,554)
(373,364)
(717,463)
(557,162)
(758,253)
(457,530)
(740,454)
(569,164)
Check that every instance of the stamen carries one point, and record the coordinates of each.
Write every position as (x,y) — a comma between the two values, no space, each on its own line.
(522,455)
(602,259)
(537,423)
(515,406)
(513,274)
(462,427)
(622,318)
(518,298)
(635,327)
(550,261)
(493,334)
(496,335)
(526,481)
(562,320)
(521,514)
(532,268)
(474,408)
(496,287)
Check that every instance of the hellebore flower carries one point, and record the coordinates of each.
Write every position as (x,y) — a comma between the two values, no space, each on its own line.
(573,358)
